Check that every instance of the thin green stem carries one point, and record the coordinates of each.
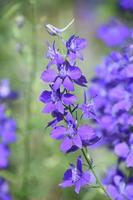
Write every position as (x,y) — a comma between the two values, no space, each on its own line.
(94,173)
(29,94)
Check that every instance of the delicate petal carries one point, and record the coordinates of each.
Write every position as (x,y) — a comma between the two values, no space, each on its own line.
(65,184)
(122,149)
(85,179)
(77,186)
(58,132)
(129,160)
(79,163)
(67,175)
(45,96)
(81,81)
(60,107)
(112,191)
(66,145)
(74,72)
(68,99)
(77,141)
(57,83)
(86,132)
(68,84)
(50,107)
(49,75)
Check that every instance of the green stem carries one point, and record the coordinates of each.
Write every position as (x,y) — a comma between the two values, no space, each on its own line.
(29,94)
(94,173)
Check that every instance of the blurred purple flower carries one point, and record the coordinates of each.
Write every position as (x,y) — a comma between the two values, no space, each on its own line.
(5,91)
(126,4)
(113,33)
(118,187)
(75,176)
(4,156)
(4,190)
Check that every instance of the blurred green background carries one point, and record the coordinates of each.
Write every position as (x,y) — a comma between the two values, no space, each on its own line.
(37,165)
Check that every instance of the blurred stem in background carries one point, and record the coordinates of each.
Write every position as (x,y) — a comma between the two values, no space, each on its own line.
(29,96)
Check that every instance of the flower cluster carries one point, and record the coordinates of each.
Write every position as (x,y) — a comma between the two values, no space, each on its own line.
(113,90)
(62,74)
(113,33)
(7,135)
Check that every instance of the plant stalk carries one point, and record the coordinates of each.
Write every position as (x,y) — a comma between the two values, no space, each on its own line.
(94,173)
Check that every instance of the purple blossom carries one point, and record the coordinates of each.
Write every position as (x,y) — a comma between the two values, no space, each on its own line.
(5,91)
(74,137)
(113,33)
(54,55)
(74,46)
(88,109)
(4,190)
(4,155)
(118,187)
(75,176)
(126,4)
(66,75)
(55,101)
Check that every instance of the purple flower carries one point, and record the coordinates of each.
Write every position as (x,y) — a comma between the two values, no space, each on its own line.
(75,176)
(5,91)
(126,4)
(66,75)
(4,155)
(88,109)
(118,187)
(74,46)
(74,137)
(124,151)
(113,33)
(55,101)
(8,131)
(54,55)
(4,190)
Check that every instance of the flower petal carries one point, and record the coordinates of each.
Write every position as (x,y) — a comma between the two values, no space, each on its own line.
(129,160)
(74,72)
(58,132)
(66,145)
(57,83)
(50,107)
(86,132)
(68,99)
(68,84)
(65,184)
(49,75)
(122,149)
(77,141)
(45,96)
(79,163)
